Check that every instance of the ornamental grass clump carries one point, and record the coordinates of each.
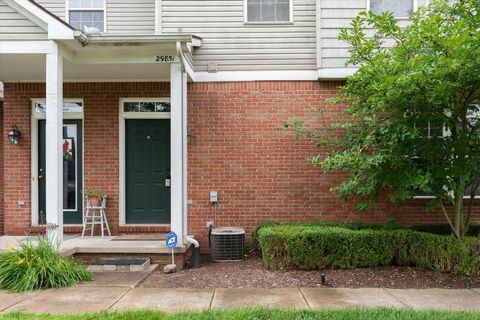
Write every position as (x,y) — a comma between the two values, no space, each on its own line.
(39,265)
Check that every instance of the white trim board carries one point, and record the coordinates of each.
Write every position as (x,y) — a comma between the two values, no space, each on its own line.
(35,116)
(299,75)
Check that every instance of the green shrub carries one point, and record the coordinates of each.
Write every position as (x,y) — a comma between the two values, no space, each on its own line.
(345,225)
(319,247)
(39,265)
(441,229)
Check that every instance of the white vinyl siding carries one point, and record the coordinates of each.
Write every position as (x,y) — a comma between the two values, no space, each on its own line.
(57,7)
(234,45)
(14,26)
(122,16)
(335,15)
(131,17)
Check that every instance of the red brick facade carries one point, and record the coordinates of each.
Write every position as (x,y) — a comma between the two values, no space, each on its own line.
(4,133)
(236,149)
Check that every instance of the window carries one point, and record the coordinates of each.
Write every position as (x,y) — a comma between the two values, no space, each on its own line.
(87,13)
(399,8)
(41,107)
(268,11)
(433,130)
(142,106)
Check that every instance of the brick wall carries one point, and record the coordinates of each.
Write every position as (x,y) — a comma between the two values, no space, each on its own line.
(260,171)
(237,149)
(2,137)
(101,158)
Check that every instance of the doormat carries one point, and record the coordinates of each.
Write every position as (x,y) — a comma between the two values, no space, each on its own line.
(141,237)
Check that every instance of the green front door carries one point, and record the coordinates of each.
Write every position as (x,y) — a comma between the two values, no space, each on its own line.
(72,172)
(147,159)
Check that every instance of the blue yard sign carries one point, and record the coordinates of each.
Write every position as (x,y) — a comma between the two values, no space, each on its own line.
(171,240)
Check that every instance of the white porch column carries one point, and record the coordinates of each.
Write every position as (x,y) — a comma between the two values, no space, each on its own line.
(177,149)
(54,139)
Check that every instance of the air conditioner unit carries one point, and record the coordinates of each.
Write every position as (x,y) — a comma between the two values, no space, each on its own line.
(227,244)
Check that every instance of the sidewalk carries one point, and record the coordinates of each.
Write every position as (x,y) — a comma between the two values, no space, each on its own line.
(114,291)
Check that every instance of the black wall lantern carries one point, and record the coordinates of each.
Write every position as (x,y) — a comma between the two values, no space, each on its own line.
(14,135)
(189,135)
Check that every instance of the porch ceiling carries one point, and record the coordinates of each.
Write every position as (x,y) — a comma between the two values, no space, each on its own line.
(31,67)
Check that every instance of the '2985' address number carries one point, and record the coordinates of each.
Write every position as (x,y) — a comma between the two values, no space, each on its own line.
(164,58)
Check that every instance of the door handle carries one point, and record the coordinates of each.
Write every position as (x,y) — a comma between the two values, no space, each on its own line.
(40,177)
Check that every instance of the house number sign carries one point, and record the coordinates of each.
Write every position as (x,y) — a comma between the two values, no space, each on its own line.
(164,58)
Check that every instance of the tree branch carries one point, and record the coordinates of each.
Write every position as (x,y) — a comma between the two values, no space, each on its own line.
(449,220)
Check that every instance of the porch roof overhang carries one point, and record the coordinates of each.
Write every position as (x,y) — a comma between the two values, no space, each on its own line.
(97,57)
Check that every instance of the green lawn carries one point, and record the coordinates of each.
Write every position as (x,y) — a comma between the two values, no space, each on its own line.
(263,314)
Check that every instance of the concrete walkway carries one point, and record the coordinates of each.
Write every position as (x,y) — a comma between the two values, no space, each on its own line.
(118,291)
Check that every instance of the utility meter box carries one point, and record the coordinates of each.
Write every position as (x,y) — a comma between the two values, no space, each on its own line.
(213,196)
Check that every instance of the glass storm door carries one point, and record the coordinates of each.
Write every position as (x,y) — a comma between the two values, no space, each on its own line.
(72,172)
(147,164)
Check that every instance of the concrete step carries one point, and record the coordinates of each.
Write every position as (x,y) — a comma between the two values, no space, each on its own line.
(120,265)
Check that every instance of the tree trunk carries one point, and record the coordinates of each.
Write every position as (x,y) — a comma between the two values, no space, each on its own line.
(458,221)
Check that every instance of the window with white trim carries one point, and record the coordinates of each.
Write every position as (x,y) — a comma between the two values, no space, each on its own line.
(399,8)
(146,106)
(268,11)
(87,13)
(433,130)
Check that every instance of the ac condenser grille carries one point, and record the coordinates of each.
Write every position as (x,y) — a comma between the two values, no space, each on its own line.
(227,244)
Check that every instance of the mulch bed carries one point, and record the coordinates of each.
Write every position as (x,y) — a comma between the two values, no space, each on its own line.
(250,273)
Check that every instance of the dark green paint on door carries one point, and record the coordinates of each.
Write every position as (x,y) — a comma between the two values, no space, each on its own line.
(72,172)
(147,153)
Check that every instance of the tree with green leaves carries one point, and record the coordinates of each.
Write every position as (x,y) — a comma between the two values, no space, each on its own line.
(413,111)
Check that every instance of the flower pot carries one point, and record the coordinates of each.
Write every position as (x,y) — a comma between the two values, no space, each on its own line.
(95,202)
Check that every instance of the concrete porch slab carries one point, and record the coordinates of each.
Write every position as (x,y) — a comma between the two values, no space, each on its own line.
(460,299)
(318,298)
(8,299)
(71,300)
(477,290)
(286,298)
(106,245)
(168,300)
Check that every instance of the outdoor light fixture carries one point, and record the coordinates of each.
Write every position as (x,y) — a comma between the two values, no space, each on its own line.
(14,135)
(189,135)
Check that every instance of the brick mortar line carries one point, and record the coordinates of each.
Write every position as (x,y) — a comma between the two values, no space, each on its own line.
(120,298)
(396,298)
(304,298)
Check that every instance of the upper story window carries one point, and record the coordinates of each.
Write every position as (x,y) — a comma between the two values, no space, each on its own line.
(399,8)
(268,11)
(86,13)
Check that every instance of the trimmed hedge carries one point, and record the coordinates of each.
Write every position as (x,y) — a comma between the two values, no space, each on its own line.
(441,229)
(319,247)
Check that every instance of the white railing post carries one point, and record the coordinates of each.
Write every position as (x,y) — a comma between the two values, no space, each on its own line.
(54,139)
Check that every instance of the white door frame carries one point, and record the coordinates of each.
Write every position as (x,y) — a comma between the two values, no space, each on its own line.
(35,116)
(123,116)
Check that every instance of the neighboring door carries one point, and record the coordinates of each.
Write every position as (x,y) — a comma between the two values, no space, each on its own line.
(72,172)
(147,164)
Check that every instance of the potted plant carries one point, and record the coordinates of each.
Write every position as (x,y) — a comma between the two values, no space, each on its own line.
(95,196)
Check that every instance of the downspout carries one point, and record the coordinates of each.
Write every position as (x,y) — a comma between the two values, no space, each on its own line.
(196,245)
